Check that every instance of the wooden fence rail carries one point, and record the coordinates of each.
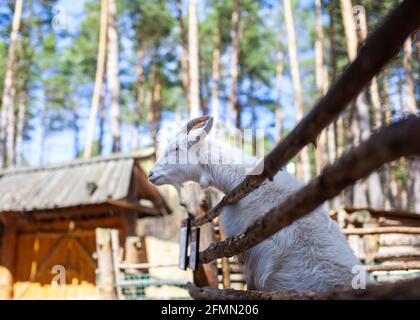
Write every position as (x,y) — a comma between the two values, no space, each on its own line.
(380,47)
(385,145)
(381,230)
(408,289)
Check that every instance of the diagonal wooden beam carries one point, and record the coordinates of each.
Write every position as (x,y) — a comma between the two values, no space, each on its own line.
(86,252)
(407,289)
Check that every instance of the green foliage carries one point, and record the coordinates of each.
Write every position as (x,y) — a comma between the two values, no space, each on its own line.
(56,69)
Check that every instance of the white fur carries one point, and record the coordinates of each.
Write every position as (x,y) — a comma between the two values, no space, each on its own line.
(309,254)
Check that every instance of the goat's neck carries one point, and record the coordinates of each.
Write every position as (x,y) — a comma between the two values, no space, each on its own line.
(227,175)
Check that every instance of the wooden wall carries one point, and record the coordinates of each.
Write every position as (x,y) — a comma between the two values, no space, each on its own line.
(71,244)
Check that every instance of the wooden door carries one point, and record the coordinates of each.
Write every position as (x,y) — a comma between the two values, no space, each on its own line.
(41,258)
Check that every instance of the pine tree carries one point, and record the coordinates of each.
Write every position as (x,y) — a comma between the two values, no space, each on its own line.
(9,90)
(113,81)
(194,78)
(304,169)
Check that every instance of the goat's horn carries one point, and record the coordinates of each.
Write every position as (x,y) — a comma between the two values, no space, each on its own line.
(192,123)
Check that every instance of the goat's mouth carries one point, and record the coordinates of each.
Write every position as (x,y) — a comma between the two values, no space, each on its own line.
(155,180)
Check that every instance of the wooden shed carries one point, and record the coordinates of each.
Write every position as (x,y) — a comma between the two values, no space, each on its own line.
(48,217)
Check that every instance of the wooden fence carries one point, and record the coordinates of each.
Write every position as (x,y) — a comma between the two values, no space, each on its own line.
(387,144)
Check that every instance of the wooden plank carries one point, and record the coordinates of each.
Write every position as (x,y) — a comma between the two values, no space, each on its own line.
(27,225)
(397,254)
(121,190)
(128,205)
(399,240)
(145,265)
(102,183)
(409,289)
(392,267)
(54,234)
(379,230)
(386,213)
(397,257)
(97,210)
(44,263)
(77,193)
(8,256)
(115,178)
(225,265)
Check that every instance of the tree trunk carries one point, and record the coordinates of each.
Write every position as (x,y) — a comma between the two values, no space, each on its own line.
(204,86)
(304,171)
(102,115)
(139,89)
(184,56)
(99,78)
(321,84)
(418,44)
(415,184)
(361,126)
(403,164)
(333,128)
(376,196)
(194,77)
(215,76)
(359,192)
(390,182)
(20,127)
(349,28)
(155,108)
(112,76)
(414,187)
(234,73)
(76,129)
(373,88)
(44,132)
(9,80)
(11,122)
(408,68)
(278,113)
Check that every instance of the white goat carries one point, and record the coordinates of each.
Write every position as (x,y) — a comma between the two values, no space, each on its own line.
(309,254)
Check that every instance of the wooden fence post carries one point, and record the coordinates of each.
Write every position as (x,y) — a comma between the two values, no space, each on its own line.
(205,275)
(106,280)
(116,259)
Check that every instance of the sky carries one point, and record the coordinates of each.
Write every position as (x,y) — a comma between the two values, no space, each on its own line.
(59,146)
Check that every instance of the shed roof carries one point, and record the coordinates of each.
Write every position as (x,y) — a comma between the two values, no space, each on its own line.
(81,182)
